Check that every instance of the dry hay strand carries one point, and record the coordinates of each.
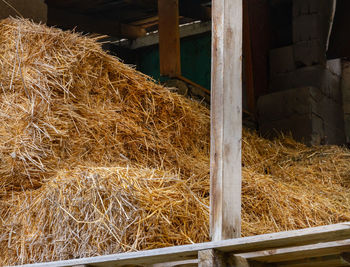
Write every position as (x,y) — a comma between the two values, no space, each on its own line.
(96,211)
(287,185)
(68,108)
(64,100)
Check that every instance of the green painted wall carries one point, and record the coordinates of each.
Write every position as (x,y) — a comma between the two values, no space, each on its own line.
(195,60)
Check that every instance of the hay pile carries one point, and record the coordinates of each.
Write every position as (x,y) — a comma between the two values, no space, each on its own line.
(64,101)
(95,158)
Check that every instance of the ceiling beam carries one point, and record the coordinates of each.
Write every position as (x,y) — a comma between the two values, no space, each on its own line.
(84,23)
(190,9)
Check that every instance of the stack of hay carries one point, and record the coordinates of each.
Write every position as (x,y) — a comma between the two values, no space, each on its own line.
(96,158)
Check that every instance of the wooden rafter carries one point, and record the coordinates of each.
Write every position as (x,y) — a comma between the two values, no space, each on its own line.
(67,20)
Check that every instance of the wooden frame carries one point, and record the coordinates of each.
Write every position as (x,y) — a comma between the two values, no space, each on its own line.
(265,249)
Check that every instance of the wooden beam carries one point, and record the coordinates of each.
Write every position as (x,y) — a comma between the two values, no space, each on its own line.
(210,258)
(67,20)
(248,59)
(233,246)
(300,252)
(194,9)
(193,84)
(326,261)
(226,120)
(143,3)
(153,38)
(190,9)
(169,38)
(187,263)
(76,4)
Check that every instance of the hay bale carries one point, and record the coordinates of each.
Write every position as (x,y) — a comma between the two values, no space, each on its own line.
(95,158)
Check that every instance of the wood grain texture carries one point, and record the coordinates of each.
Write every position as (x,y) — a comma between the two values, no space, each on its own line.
(210,258)
(300,252)
(326,261)
(226,120)
(169,38)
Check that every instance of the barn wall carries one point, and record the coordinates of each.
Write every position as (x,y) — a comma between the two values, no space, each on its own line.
(32,9)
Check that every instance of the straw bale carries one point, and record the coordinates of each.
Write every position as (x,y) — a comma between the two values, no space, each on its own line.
(96,158)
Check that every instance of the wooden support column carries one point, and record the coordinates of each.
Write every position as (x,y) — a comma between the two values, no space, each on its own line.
(169,38)
(210,258)
(226,120)
(213,258)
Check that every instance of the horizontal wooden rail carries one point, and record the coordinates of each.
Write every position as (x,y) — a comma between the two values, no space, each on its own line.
(300,252)
(330,233)
(324,261)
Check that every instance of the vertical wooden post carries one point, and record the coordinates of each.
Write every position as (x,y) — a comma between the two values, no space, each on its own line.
(169,38)
(226,120)
(210,258)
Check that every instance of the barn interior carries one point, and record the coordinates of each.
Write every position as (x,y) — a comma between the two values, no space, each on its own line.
(280,55)
(295,93)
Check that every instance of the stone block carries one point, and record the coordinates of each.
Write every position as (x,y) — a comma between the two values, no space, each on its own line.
(309,53)
(308,7)
(314,76)
(304,128)
(281,105)
(282,60)
(335,66)
(310,27)
(307,113)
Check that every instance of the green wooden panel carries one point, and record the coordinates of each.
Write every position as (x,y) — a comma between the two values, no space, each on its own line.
(195,60)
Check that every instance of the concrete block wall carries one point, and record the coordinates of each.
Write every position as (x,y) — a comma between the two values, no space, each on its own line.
(305,98)
(306,112)
(311,22)
(319,76)
(31,9)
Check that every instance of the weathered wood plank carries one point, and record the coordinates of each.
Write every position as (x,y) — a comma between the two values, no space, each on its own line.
(300,252)
(235,246)
(187,263)
(210,258)
(226,120)
(237,261)
(153,38)
(326,261)
(169,38)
